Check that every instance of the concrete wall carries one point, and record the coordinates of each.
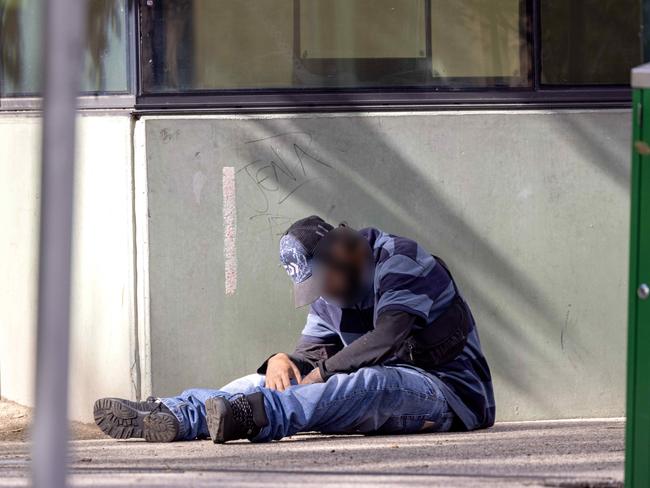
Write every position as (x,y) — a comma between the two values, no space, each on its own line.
(104,345)
(19,210)
(530,209)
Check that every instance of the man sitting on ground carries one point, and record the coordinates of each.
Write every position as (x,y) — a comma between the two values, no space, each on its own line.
(389,347)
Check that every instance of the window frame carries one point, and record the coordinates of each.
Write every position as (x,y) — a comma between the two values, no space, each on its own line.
(537,96)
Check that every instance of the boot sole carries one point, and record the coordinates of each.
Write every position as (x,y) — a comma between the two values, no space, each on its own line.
(215,412)
(120,421)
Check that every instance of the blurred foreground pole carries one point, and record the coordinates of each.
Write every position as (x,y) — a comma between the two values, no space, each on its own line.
(62,54)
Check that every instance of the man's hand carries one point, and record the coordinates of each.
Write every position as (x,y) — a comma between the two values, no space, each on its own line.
(313,377)
(279,372)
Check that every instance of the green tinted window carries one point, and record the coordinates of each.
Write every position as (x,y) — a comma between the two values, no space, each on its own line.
(105,68)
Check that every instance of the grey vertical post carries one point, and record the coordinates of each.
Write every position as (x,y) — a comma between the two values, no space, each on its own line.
(64,22)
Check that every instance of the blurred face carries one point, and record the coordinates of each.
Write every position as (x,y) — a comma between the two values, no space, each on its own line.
(344,267)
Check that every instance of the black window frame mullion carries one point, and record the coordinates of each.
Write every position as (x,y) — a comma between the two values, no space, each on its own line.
(428,33)
(133,58)
(137,74)
(536,43)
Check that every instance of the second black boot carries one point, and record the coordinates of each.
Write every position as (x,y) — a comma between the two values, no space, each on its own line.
(240,417)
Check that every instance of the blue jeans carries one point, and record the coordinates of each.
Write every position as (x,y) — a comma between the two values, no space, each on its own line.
(374,400)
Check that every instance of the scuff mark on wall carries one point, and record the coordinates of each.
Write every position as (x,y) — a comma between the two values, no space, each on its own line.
(198,182)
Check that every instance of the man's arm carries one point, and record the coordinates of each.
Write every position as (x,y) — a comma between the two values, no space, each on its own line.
(391,329)
(317,342)
(310,351)
(398,308)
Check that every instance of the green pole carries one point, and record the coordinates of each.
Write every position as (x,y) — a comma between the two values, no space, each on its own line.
(637,458)
(637,425)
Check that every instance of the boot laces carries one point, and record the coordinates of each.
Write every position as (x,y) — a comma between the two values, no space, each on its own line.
(242,412)
(158,406)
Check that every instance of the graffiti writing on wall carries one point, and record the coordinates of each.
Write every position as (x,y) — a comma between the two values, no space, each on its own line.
(283,167)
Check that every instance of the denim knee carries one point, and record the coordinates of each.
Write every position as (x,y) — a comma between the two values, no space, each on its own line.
(189,393)
(371,377)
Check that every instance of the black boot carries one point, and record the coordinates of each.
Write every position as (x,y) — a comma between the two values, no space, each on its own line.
(240,417)
(123,419)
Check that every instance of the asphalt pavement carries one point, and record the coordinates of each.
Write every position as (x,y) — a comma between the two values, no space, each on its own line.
(563,454)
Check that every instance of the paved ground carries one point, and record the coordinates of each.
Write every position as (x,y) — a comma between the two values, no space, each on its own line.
(582,454)
(15,420)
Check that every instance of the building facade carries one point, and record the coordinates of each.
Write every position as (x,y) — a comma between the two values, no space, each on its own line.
(496,133)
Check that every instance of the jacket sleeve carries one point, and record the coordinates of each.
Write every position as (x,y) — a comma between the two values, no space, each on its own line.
(309,353)
(392,327)
(317,343)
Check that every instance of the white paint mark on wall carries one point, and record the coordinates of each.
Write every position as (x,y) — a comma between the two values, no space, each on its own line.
(229,230)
